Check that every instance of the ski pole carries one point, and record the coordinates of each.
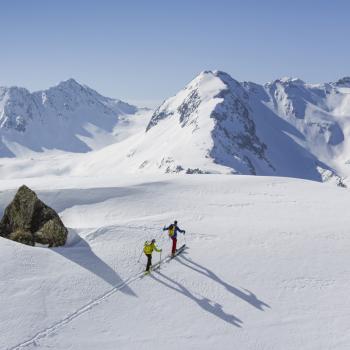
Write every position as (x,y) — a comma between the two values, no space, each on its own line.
(138,260)
(160,259)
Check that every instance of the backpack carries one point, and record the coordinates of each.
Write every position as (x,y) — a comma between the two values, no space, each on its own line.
(147,249)
(171,230)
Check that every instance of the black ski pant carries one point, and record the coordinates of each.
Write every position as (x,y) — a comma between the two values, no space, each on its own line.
(149,261)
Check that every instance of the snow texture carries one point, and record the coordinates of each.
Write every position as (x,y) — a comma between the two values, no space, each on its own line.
(264,269)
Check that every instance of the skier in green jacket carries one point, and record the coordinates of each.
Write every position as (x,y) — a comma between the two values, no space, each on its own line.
(148,250)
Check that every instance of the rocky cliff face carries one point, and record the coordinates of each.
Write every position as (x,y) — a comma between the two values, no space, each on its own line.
(235,135)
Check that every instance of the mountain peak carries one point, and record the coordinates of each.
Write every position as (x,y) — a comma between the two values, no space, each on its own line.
(63,117)
(70,84)
(287,81)
(215,74)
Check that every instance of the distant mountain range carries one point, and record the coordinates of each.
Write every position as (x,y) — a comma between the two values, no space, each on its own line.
(69,117)
(214,125)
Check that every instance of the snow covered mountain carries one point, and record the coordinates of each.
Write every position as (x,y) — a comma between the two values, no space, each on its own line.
(214,125)
(213,113)
(69,117)
(218,125)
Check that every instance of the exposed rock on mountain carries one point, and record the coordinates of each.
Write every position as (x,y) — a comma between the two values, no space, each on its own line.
(344,82)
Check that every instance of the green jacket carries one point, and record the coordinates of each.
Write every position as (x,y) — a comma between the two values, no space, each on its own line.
(149,247)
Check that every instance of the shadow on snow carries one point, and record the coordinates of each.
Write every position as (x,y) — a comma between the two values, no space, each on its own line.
(247,295)
(205,303)
(81,254)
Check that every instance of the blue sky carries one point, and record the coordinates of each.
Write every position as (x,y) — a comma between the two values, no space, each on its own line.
(144,51)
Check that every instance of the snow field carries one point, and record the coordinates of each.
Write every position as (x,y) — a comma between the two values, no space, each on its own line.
(264,268)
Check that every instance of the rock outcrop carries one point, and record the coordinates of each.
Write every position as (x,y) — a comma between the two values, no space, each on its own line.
(28,220)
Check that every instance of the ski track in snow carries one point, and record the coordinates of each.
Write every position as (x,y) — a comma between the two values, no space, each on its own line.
(82,310)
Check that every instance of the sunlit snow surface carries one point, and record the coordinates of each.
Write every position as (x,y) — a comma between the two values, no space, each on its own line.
(266,266)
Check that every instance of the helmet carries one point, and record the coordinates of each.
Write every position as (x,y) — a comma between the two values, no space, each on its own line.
(175,222)
(153,240)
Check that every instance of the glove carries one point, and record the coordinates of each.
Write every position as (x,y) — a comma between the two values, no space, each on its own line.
(160,250)
(184,231)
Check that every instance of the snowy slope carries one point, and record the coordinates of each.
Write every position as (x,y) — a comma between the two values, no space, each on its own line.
(318,113)
(69,117)
(265,268)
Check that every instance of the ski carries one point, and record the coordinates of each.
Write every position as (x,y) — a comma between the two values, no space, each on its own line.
(167,259)
(156,266)
(178,251)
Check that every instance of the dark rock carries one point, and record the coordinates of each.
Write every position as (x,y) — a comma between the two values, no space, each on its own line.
(28,220)
(22,236)
(196,171)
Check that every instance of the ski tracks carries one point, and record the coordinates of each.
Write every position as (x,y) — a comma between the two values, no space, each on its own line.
(82,310)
